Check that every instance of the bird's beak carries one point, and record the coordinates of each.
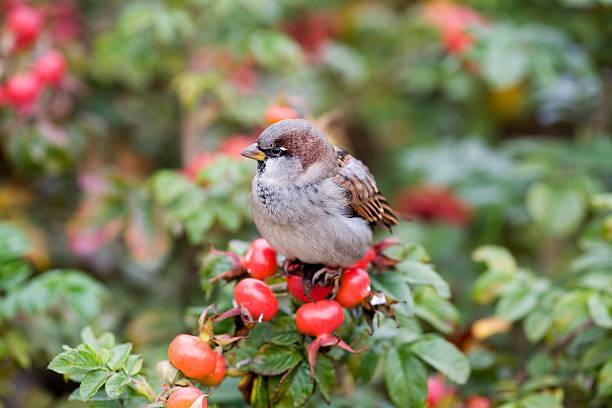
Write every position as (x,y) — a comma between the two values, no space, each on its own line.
(253,152)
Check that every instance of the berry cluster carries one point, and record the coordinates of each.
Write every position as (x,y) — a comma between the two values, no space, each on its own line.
(30,65)
(319,313)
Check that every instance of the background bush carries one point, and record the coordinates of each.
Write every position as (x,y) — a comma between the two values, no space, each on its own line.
(487,123)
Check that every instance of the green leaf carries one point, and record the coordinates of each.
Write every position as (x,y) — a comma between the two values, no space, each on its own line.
(13,274)
(273,49)
(540,401)
(13,242)
(602,201)
(569,312)
(604,380)
(364,365)
(405,378)
(259,393)
(299,387)
(418,273)
(88,337)
(438,312)
(496,258)
(77,360)
(116,384)
(598,308)
(107,340)
(443,356)
(285,338)
(92,382)
(18,347)
(557,210)
(537,324)
(119,355)
(133,364)
(599,353)
(489,285)
(325,376)
(274,360)
(516,304)
(228,216)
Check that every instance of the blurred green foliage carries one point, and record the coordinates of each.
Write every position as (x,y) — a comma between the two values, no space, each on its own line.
(489,126)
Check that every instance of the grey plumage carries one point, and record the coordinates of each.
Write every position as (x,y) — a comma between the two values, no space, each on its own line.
(310,200)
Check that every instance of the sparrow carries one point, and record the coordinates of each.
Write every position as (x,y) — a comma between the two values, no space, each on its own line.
(312,201)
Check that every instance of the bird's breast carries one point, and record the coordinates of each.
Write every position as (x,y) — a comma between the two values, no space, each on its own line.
(291,203)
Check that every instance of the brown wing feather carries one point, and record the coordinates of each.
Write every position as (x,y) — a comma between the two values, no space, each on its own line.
(366,200)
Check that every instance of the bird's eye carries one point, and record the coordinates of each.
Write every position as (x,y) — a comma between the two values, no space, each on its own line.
(276,151)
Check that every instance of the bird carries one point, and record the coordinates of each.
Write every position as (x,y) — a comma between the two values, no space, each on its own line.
(312,201)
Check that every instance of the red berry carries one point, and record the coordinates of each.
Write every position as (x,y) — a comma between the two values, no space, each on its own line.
(192,356)
(234,145)
(24,22)
(354,287)
(477,401)
(315,319)
(217,376)
(22,89)
(296,288)
(436,390)
(199,163)
(257,298)
(276,113)
(260,259)
(185,396)
(364,262)
(50,68)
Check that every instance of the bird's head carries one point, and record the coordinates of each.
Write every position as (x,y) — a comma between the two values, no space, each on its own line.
(292,150)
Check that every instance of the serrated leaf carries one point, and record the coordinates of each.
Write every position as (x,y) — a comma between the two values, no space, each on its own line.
(116,384)
(405,378)
(325,376)
(299,388)
(516,304)
(119,355)
(443,356)
(599,311)
(274,360)
(285,338)
(92,382)
(418,273)
(80,359)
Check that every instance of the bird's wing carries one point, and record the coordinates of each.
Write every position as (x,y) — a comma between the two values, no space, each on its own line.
(366,200)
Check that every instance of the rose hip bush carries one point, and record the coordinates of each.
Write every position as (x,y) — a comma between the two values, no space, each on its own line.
(287,351)
(124,203)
